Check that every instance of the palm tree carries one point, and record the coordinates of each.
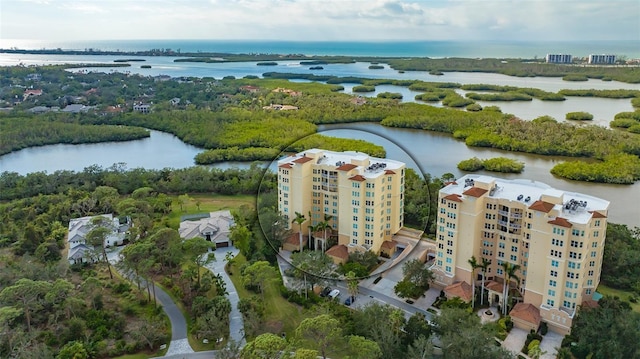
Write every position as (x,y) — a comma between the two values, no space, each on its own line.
(509,272)
(299,220)
(485,264)
(323,226)
(474,265)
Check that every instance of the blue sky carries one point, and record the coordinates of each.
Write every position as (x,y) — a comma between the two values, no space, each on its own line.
(326,20)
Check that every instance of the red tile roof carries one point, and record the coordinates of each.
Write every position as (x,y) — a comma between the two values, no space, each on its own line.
(389,172)
(542,206)
(358,178)
(294,238)
(389,244)
(461,290)
(526,312)
(596,214)
(452,182)
(475,192)
(286,165)
(590,303)
(559,221)
(303,159)
(453,197)
(346,167)
(494,286)
(338,251)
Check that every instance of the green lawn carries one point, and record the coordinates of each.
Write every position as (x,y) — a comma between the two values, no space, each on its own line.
(280,315)
(622,294)
(202,203)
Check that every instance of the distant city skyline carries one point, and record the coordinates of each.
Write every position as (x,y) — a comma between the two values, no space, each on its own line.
(328,20)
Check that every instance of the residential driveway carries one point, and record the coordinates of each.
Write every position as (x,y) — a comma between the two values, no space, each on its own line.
(179,343)
(550,344)
(236,324)
(515,340)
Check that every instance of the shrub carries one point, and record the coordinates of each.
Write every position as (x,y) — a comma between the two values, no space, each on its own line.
(474,107)
(363,88)
(471,165)
(575,77)
(579,116)
(390,95)
(544,328)
(623,122)
(503,164)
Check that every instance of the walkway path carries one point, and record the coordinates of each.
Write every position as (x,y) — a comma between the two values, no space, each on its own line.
(236,324)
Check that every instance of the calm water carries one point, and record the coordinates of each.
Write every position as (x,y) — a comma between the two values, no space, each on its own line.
(424,151)
(506,49)
(156,152)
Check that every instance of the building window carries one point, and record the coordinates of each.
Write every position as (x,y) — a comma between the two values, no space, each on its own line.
(354,240)
(552,293)
(589,282)
(597,223)
(447,269)
(554,263)
(355,184)
(590,273)
(596,234)
(513,258)
(550,302)
(588,292)
(593,253)
(553,273)
(552,283)
(514,249)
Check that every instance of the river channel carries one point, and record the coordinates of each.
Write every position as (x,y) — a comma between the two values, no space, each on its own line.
(433,153)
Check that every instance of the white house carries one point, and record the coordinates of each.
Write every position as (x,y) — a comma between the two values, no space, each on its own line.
(215,228)
(79,251)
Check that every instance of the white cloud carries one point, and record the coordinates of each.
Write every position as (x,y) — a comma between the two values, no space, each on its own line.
(322,20)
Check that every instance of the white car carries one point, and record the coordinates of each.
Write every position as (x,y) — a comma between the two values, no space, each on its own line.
(334,294)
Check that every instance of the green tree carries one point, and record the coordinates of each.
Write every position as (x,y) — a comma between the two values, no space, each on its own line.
(609,331)
(352,284)
(510,270)
(197,251)
(73,350)
(241,238)
(299,220)
(363,348)
(257,275)
(474,265)
(321,332)
(462,336)
(415,271)
(96,238)
(27,295)
(264,346)
(483,267)
(421,348)
(313,267)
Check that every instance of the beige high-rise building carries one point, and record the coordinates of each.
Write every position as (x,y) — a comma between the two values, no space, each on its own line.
(361,197)
(556,237)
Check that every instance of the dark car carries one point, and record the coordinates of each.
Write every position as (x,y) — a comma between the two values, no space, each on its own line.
(349,300)
(325,292)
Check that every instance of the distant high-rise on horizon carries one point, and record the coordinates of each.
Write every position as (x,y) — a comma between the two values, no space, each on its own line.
(555,237)
(602,59)
(558,58)
(360,197)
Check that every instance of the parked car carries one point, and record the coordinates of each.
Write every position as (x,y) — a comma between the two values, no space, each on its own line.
(349,300)
(334,294)
(325,292)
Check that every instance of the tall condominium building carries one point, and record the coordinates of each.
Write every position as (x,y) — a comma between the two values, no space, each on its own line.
(362,196)
(556,237)
(559,58)
(602,59)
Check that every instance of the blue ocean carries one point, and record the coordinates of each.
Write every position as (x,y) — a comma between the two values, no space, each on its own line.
(435,49)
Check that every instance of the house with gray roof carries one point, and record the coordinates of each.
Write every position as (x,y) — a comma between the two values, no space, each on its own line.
(215,227)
